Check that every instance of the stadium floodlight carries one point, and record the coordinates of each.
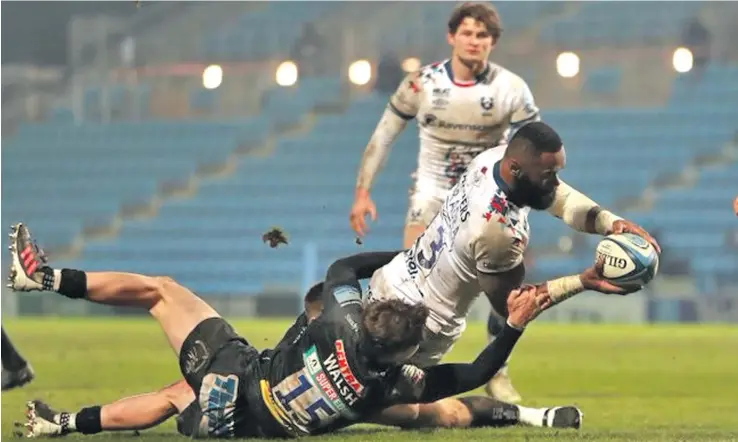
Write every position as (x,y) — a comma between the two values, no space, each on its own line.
(565,244)
(360,72)
(411,64)
(567,64)
(286,74)
(682,60)
(212,76)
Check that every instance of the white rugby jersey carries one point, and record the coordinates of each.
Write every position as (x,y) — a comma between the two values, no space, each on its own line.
(476,229)
(457,121)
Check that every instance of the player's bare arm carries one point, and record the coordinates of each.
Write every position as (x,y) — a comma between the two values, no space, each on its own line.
(403,106)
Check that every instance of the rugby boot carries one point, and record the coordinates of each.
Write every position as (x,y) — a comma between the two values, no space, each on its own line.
(28,269)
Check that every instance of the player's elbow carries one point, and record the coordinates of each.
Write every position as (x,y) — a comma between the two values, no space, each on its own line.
(340,271)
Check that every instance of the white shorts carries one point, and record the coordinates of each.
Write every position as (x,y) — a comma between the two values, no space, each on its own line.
(422,208)
(386,284)
(432,349)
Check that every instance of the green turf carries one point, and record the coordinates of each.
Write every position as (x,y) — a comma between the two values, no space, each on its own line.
(633,383)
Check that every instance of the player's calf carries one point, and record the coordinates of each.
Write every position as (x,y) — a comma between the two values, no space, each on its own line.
(132,413)
(489,412)
(480,411)
(176,308)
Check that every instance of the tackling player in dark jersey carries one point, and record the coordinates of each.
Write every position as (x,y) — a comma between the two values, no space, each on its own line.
(330,373)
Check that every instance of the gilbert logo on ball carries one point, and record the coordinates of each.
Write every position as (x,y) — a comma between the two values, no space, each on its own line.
(627,259)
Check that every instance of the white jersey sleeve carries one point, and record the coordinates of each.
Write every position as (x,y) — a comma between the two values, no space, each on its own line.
(406,100)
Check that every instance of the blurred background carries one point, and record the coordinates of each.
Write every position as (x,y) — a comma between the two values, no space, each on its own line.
(167,138)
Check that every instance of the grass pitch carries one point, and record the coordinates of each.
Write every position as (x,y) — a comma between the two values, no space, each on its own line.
(634,383)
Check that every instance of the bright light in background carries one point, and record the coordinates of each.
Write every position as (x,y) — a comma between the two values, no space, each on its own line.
(682,60)
(360,72)
(411,64)
(286,74)
(565,244)
(567,64)
(212,76)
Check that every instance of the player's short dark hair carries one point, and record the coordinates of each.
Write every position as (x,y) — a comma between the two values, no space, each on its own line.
(534,139)
(484,13)
(394,325)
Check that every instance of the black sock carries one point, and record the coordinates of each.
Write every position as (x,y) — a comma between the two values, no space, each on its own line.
(12,360)
(495,324)
(87,421)
(73,283)
(488,412)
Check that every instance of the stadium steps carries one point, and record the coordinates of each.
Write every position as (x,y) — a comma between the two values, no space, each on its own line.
(113,217)
(102,206)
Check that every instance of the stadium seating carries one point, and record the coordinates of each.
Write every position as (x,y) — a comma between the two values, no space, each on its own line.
(58,176)
(212,242)
(412,36)
(598,24)
(244,39)
(251,36)
(700,117)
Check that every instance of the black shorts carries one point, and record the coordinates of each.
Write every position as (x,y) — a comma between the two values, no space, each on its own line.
(225,372)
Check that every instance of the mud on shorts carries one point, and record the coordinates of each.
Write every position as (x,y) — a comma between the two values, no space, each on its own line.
(224,372)
(422,207)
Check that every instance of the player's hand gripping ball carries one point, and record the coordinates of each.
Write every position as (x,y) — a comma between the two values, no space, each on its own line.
(625,226)
(627,260)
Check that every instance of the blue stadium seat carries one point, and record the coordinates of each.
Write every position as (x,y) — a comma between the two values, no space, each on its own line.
(597,24)
(604,80)
(58,177)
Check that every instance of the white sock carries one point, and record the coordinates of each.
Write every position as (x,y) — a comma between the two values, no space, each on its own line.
(57,279)
(532,416)
(71,422)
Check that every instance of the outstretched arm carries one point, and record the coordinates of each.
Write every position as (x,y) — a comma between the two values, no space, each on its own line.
(446,380)
(585,215)
(523,306)
(414,385)
(581,213)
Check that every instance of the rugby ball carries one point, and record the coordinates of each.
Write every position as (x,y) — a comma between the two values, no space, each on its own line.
(628,259)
